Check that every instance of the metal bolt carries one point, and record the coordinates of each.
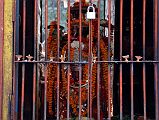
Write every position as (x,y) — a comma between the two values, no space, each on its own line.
(94,59)
(29,57)
(52,59)
(19,57)
(138,58)
(126,57)
(62,58)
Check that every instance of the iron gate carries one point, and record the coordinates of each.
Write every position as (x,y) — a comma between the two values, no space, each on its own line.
(80,67)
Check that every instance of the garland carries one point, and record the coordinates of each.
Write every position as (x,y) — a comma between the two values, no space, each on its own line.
(104,56)
(52,69)
(74,93)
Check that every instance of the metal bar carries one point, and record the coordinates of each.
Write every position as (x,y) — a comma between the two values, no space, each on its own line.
(1,53)
(104,8)
(109,32)
(34,68)
(46,36)
(155,57)
(58,54)
(144,67)
(87,62)
(38,29)
(98,65)
(131,57)
(104,28)
(90,65)
(121,52)
(34,91)
(23,65)
(68,85)
(88,97)
(80,55)
(14,84)
(45,92)
(90,69)
(16,50)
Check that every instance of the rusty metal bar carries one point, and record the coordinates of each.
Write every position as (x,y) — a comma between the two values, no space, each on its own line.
(1,53)
(90,69)
(88,96)
(80,57)
(23,65)
(155,57)
(17,65)
(89,105)
(58,54)
(90,65)
(14,84)
(109,32)
(55,62)
(144,67)
(104,8)
(121,52)
(68,85)
(46,36)
(34,68)
(98,65)
(34,91)
(131,57)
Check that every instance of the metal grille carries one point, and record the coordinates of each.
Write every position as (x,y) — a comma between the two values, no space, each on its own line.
(78,71)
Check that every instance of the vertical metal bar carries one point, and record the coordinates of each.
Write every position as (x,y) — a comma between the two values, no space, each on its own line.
(90,68)
(46,36)
(104,28)
(90,64)
(98,65)
(68,85)
(38,29)
(131,57)
(35,51)
(23,65)
(104,8)
(121,52)
(34,90)
(109,32)
(144,67)
(88,96)
(14,84)
(58,54)
(155,56)
(16,50)
(1,53)
(80,55)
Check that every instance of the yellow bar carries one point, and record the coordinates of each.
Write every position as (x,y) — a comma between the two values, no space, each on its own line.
(7,56)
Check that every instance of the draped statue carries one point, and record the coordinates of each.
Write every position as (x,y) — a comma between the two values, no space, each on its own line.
(75,69)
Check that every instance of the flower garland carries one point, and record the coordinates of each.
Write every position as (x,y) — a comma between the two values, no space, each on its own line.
(104,56)
(74,93)
(52,69)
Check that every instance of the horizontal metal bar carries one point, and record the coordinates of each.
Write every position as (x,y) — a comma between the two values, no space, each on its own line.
(54,62)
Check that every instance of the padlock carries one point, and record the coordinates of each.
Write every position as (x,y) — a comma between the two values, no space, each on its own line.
(91,15)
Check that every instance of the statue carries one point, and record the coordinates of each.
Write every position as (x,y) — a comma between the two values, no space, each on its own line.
(74,69)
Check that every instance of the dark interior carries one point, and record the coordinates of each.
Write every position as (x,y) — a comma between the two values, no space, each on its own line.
(137,44)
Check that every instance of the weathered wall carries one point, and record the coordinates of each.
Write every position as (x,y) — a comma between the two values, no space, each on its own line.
(1,55)
(7,56)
